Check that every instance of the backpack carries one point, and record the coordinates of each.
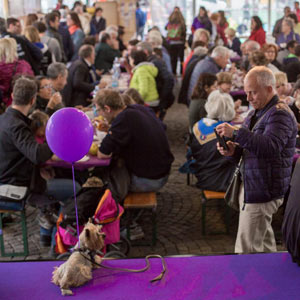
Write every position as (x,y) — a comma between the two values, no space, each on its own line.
(174,32)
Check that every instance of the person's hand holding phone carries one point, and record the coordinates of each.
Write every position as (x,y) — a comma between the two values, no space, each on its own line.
(231,148)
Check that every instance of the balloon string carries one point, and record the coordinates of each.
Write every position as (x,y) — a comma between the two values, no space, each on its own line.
(74,188)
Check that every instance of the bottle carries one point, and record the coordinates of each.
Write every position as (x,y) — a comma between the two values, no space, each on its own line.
(95,91)
(116,73)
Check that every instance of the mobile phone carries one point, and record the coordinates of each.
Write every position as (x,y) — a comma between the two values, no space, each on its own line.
(221,140)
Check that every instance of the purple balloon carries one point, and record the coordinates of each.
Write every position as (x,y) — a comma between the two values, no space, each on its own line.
(69,134)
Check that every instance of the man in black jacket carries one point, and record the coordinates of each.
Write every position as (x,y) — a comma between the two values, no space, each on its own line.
(20,154)
(25,49)
(19,150)
(81,79)
(164,79)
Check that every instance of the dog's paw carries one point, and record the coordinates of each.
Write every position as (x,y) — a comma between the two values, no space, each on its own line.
(66,292)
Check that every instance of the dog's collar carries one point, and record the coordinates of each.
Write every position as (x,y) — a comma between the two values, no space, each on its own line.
(90,253)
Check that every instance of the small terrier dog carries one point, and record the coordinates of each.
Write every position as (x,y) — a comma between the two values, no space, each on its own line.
(77,270)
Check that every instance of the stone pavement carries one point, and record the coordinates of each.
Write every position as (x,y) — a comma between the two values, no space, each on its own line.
(178,213)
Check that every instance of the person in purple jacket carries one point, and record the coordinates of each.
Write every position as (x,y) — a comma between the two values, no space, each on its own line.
(266,141)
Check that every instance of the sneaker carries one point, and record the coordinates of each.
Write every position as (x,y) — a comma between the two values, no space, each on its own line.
(136,233)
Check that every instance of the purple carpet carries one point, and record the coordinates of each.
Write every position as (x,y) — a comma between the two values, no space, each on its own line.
(256,276)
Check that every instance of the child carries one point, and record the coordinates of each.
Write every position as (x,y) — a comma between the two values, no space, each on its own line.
(224,82)
(282,87)
(38,125)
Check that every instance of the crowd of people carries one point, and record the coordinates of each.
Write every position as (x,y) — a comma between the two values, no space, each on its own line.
(61,60)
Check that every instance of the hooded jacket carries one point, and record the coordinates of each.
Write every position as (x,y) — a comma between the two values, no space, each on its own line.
(143,80)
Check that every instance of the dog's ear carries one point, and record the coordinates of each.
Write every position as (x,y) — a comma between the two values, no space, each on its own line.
(90,220)
(87,233)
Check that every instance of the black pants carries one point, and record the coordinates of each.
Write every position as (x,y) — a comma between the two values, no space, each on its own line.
(176,51)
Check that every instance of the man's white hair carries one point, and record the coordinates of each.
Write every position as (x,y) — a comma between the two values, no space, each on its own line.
(252,46)
(220,106)
(263,75)
(220,51)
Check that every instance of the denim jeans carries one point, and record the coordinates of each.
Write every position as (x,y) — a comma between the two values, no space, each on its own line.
(144,185)
(59,190)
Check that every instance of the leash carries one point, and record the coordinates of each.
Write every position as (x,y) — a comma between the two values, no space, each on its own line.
(157,278)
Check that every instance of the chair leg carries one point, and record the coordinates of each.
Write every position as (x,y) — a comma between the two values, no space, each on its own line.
(24,232)
(1,237)
(203,216)
(188,182)
(227,218)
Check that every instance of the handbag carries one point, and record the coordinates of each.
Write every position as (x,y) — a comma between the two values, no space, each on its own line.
(232,193)
(233,190)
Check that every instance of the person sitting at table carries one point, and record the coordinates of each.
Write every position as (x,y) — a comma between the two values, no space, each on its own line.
(143,78)
(81,79)
(45,100)
(105,52)
(20,154)
(224,82)
(292,69)
(257,58)
(247,48)
(287,33)
(233,42)
(210,64)
(206,84)
(270,51)
(282,87)
(137,136)
(135,95)
(57,74)
(212,170)
(164,79)
(38,125)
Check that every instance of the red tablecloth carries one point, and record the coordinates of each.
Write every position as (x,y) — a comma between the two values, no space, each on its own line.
(92,162)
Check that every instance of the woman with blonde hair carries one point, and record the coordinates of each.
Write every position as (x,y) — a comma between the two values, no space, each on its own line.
(32,34)
(176,38)
(10,66)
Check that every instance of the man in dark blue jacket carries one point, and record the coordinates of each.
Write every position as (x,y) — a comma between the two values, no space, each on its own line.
(266,141)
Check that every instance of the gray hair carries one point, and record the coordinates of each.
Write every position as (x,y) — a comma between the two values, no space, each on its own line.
(24,91)
(145,46)
(56,69)
(252,45)
(220,106)
(289,22)
(263,75)
(220,51)
(199,51)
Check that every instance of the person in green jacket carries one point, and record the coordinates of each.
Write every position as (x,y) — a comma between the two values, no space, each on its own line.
(105,53)
(143,78)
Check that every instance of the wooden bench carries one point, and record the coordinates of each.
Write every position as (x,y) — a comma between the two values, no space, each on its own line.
(135,201)
(212,195)
(21,217)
